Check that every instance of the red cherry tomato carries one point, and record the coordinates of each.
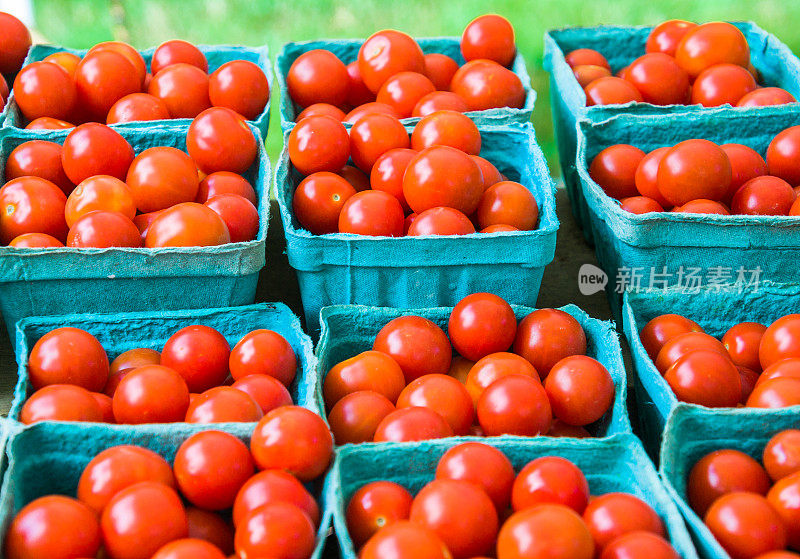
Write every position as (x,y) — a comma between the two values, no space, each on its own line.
(223,404)
(583,57)
(134,358)
(550,480)
(141,518)
(318,76)
(680,345)
(611,91)
(508,203)
(447,128)
(189,548)
(491,175)
(199,354)
(137,106)
(106,407)
(709,44)
(35,240)
(187,224)
(742,341)
(95,149)
(706,378)
(659,79)
(371,370)
(68,356)
(263,352)
(355,418)
(43,89)
(615,514)
(277,530)
(321,109)
(444,395)
(639,545)
(546,336)
(239,215)
(294,439)
(481,324)
(722,84)
(647,174)
(102,229)
(219,140)
(665,36)
(373,135)
(514,405)
(489,37)
(32,205)
(439,101)
(66,60)
(702,206)
(225,182)
(47,123)
(15,40)
(785,499)
(440,69)
(356,177)
(721,472)
(745,524)
(118,467)
(587,73)
(580,390)
(54,526)
(403,91)
(775,393)
(417,344)
(746,164)
(484,84)
(131,55)
(440,221)
(405,539)
(369,108)
(545,532)
(375,506)
(765,96)
(241,86)
(61,402)
(387,172)
(615,169)
(482,465)
(100,192)
(412,424)
(102,78)
(780,341)
(694,169)
(151,394)
(183,88)
(357,92)
(443,176)
(640,205)
(494,366)
(270,486)
(387,53)
(781,456)
(267,391)
(319,143)
(783,153)
(372,213)
(175,52)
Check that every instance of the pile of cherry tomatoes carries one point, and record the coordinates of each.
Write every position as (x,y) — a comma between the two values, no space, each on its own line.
(753,365)
(751,509)
(700,177)
(219,496)
(15,40)
(409,387)
(196,377)
(433,183)
(392,76)
(686,63)
(162,197)
(111,84)
(478,506)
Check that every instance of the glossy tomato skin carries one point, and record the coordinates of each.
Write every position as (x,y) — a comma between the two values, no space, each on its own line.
(405,539)
(370,370)
(225,182)
(745,524)
(161,177)
(55,527)
(780,340)
(417,344)
(665,36)
(137,106)
(611,91)
(443,176)
(440,221)
(494,366)
(706,378)
(263,352)
(615,168)
(188,548)
(183,88)
(685,343)
(489,37)
(186,225)
(318,76)
(545,532)
(439,101)
(355,418)
(639,545)
(482,465)
(66,60)
(32,205)
(177,51)
(403,91)
(95,149)
(374,506)
(775,393)
(118,467)
(102,78)
(746,164)
(765,96)
(267,391)
(444,395)
(663,328)
(319,143)
(357,92)
(640,205)
(484,84)
(102,229)
(552,480)
(151,394)
(709,44)
(372,135)
(318,201)
(211,527)
(514,405)
(659,79)
(412,424)
(388,170)
(387,53)
(44,90)
(587,73)
(480,324)
(742,341)
(763,196)
(447,128)
(131,55)
(508,203)
(68,356)
(275,530)
(583,57)
(140,519)
(781,456)
(38,158)
(546,336)
(199,354)
(241,86)
(646,176)
(223,404)
(722,84)
(783,153)
(615,514)
(47,123)
(294,439)
(369,108)
(14,44)
(101,192)
(35,240)
(321,109)
(694,169)
(372,213)
(491,175)
(722,472)
(220,140)
(580,390)
(61,402)
(440,69)
(239,215)
(269,486)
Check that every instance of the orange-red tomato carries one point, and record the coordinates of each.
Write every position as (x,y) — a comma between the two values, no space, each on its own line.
(188,548)
(387,53)
(639,545)
(369,370)
(713,43)
(583,57)
(546,336)
(412,424)
(646,176)
(782,155)
(489,37)
(447,128)
(742,341)
(587,73)
(615,514)
(443,176)
(417,344)
(43,89)
(775,393)
(100,192)
(781,456)
(177,51)
(694,169)
(372,135)
(444,395)
(14,43)
(405,539)
(508,203)
(494,366)
(615,169)
(491,175)
(665,36)
(375,506)
(640,205)
(183,88)
(745,524)
(580,390)
(199,354)
(659,79)
(439,101)
(102,78)
(545,532)
(185,225)
(481,324)
(38,158)
(104,229)
(95,149)
(151,394)
(263,352)
(702,206)
(355,417)
(271,486)
(680,345)
(403,91)
(318,143)
(47,123)
(321,109)
(706,378)
(721,84)
(514,405)
(373,213)
(483,465)
(220,140)
(318,76)
(372,107)
(32,205)
(267,391)
(68,356)
(357,92)
(223,404)
(137,106)
(746,164)
(552,480)
(277,529)
(225,182)
(355,176)
(241,86)
(780,340)
(130,54)
(387,173)
(763,196)
(35,240)
(764,96)
(484,84)
(663,328)
(440,69)
(440,221)
(611,91)
(239,215)
(61,402)
(785,499)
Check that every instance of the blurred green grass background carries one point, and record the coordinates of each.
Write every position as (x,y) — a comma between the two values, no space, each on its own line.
(146,23)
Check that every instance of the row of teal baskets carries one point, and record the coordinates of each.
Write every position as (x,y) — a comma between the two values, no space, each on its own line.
(41,289)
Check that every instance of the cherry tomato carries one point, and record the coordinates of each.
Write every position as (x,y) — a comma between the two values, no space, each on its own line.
(405,539)
(357,92)
(189,548)
(482,465)
(321,109)
(35,240)
(545,532)
(387,53)
(387,172)
(460,513)
(32,205)
(223,404)
(615,170)
(15,40)
(443,176)
(369,108)
(412,424)
(239,215)
(709,44)
(611,91)
(241,86)
(783,153)
(95,149)
(702,206)
(764,96)
(118,467)
(54,526)
(615,514)
(294,439)
(639,545)
(514,405)
(375,506)
(546,336)
(319,143)
(722,84)
(38,158)
(444,395)
(705,377)
(225,182)
(742,341)
(440,221)
(141,518)
(481,324)
(355,417)
(659,79)
(484,84)
(66,60)
(440,69)
(263,352)
(781,456)
(219,140)
(587,73)
(552,480)
(275,530)
(447,128)
(491,175)
(151,394)
(580,390)
(318,76)
(746,164)
(508,203)
(785,368)
(459,368)
(417,344)
(106,406)
(373,135)
(439,101)
(134,358)
(583,57)
(372,212)
(355,176)
(646,176)
(209,526)
(137,106)
(103,229)
(403,91)
(100,192)
(187,224)
(318,201)
(61,402)
(267,391)
(680,345)
(369,370)
(68,356)
(47,123)
(130,54)
(494,366)
(102,78)
(183,88)
(640,205)
(662,329)
(780,340)
(764,195)
(177,51)
(270,486)
(43,89)
(745,524)
(665,36)
(560,429)
(489,37)
(775,393)
(694,169)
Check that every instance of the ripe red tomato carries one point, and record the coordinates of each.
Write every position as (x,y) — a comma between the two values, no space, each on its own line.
(370,370)
(484,84)
(102,229)
(746,164)
(789,367)
(580,390)
(15,40)
(355,417)
(489,37)
(611,91)
(137,106)
(443,176)
(781,456)
(106,406)
(43,89)
(102,78)
(372,135)
(439,101)
(444,395)
(447,128)
(460,513)
(134,358)
(294,439)
(742,341)
(199,354)
(514,405)
(54,526)
(275,530)
(239,215)
(709,44)
(263,352)
(183,88)
(357,92)
(705,377)
(189,548)
(412,424)
(100,192)
(745,524)
(241,86)
(47,123)
(722,472)
(440,221)
(225,182)
(545,532)
(405,539)
(702,206)
(646,176)
(694,169)
(32,205)
(369,108)
(659,79)
(584,57)
(118,467)
(417,344)
(375,506)
(775,393)
(639,545)
(764,195)
(721,84)
(223,404)
(587,73)
(615,170)
(403,91)
(665,36)
(321,109)
(151,394)
(318,76)
(550,480)
(219,140)
(440,69)
(546,336)
(373,213)
(318,143)
(480,324)
(95,149)
(494,366)
(355,176)
(483,465)
(764,96)
(615,514)
(211,467)
(270,486)
(491,175)
(177,51)
(186,225)
(508,203)
(387,53)
(683,344)
(780,341)
(387,173)
(131,55)
(662,329)
(68,356)
(66,60)
(61,402)
(640,205)
(783,153)
(267,391)
(35,240)
(141,518)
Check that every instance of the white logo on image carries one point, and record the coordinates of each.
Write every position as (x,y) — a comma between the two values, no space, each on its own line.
(591,279)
